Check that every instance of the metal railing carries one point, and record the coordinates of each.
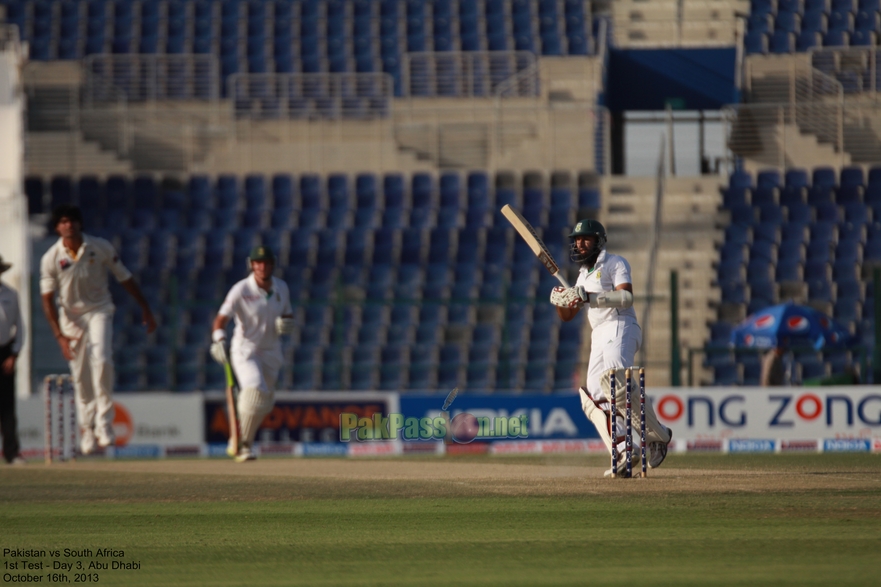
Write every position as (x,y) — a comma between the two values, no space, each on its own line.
(502,135)
(329,96)
(806,135)
(470,74)
(857,69)
(792,81)
(150,78)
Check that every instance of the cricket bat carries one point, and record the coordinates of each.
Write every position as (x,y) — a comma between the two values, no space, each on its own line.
(445,414)
(528,234)
(231,408)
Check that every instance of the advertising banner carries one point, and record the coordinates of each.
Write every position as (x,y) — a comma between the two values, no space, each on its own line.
(146,424)
(307,417)
(739,419)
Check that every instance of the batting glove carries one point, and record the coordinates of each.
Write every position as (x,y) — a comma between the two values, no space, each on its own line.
(565,297)
(284,325)
(218,347)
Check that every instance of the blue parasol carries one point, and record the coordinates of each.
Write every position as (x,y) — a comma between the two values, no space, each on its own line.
(790,325)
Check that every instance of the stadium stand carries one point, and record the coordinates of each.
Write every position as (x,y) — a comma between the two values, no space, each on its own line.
(814,249)
(415,259)
(433,282)
(307,36)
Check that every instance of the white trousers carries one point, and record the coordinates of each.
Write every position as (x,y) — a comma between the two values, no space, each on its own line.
(92,369)
(613,345)
(256,368)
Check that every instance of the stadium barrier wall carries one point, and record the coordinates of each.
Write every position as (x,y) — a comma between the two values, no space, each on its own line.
(722,420)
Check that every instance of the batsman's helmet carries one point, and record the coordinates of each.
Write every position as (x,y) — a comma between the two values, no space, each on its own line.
(587,227)
(261,253)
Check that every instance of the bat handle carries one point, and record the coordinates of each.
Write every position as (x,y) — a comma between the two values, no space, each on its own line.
(562,280)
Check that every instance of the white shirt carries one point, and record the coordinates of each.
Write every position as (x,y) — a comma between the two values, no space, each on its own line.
(608,273)
(81,282)
(11,325)
(255,311)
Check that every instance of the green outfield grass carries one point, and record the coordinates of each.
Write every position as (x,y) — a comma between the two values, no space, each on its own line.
(762,520)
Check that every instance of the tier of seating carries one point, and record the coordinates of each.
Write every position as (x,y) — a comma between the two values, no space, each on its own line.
(806,237)
(421,284)
(300,36)
(786,26)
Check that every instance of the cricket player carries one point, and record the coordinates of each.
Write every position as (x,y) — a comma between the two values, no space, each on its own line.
(75,270)
(12,334)
(604,284)
(261,306)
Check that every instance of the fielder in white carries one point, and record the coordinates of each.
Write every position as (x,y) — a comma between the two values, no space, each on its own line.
(261,306)
(604,284)
(75,268)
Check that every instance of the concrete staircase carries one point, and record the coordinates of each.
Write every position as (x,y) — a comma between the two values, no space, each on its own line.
(690,233)
(48,153)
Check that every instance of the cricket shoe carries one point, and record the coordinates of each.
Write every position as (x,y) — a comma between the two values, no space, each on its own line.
(622,465)
(18,462)
(87,441)
(658,451)
(105,441)
(245,454)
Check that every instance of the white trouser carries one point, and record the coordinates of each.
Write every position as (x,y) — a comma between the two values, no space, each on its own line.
(256,368)
(613,345)
(256,371)
(92,369)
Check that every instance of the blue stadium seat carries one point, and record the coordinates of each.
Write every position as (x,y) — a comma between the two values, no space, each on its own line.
(787,21)
(763,250)
(808,39)
(791,250)
(771,213)
(836,38)
(282,192)
(795,188)
(863,38)
(789,6)
(760,23)
(782,42)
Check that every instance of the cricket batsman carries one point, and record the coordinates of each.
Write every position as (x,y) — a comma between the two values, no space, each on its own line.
(605,286)
(261,306)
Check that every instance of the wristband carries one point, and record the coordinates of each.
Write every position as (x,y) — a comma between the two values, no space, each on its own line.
(218,335)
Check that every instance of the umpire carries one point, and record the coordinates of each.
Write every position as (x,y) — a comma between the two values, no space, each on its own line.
(11,339)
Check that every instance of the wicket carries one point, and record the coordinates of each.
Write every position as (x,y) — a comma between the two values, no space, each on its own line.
(628,422)
(55,388)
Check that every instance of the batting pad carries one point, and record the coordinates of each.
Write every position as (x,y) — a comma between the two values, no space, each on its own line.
(253,407)
(597,417)
(654,431)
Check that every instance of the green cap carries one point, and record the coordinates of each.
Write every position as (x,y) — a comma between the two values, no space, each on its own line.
(261,253)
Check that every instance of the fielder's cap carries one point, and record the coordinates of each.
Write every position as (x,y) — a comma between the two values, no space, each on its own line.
(4,266)
(261,253)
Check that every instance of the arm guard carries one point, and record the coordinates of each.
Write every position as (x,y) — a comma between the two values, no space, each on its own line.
(620,298)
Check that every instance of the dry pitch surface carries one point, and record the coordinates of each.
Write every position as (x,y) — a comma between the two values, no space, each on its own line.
(463,475)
